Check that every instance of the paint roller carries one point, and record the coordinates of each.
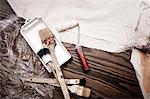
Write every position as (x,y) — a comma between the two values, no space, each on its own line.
(71,25)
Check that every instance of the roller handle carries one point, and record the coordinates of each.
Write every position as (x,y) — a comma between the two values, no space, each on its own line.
(82,58)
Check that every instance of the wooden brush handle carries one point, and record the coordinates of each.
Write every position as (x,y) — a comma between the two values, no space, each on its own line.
(47,39)
(59,74)
(82,58)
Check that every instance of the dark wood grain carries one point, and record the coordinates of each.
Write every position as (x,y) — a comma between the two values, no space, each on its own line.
(111,75)
(5,9)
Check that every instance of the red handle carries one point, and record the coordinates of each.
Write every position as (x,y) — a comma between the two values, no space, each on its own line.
(82,58)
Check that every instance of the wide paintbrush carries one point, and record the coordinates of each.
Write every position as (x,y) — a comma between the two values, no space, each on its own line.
(48,41)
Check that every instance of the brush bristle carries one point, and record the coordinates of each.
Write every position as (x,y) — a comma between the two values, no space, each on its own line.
(82,82)
(44,33)
(86,92)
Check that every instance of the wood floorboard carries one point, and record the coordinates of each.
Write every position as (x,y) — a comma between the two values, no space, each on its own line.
(111,75)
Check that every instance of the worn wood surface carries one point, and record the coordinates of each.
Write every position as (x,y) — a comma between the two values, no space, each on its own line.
(5,9)
(111,75)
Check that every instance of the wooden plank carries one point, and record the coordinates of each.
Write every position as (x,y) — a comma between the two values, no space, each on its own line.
(111,74)
(5,8)
(4,2)
(105,81)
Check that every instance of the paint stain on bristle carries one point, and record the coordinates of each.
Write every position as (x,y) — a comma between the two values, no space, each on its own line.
(86,92)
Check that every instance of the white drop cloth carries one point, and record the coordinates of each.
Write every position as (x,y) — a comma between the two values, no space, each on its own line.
(105,24)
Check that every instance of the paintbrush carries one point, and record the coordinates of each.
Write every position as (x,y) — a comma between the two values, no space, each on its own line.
(52,81)
(75,86)
(48,41)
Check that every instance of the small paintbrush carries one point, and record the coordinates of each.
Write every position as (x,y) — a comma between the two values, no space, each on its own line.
(75,86)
